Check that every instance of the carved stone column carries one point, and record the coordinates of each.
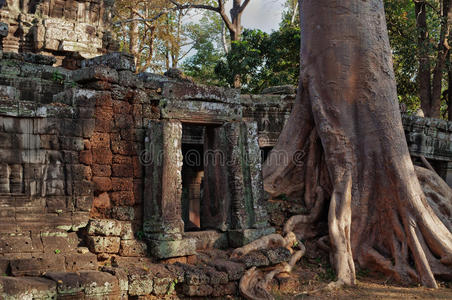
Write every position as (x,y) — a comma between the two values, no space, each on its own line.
(163,224)
(249,216)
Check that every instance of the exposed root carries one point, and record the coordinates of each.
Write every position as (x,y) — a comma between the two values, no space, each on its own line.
(265,242)
(255,284)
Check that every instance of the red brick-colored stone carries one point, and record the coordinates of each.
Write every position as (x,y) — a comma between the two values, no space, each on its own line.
(102,156)
(101,170)
(122,170)
(122,147)
(102,201)
(102,184)
(100,140)
(121,159)
(121,107)
(122,198)
(104,100)
(87,144)
(86,157)
(122,184)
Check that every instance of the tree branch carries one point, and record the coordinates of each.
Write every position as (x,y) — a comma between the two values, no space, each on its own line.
(243,6)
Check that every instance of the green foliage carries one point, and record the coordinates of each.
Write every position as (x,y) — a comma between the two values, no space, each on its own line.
(58,77)
(262,59)
(139,235)
(172,287)
(57,251)
(206,35)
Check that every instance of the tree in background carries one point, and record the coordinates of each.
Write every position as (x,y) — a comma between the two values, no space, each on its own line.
(209,46)
(152,31)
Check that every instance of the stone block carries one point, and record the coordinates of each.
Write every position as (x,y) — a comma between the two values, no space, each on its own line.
(140,282)
(133,248)
(121,107)
(255,259)
(122,198)
(209,239)
(123,213)
(229,288)
(95,73)
(103,244)
(122,184)
(239,238)
(197,290)
(115,60)
(101,170)
(76,261)
(102,184)
(234,270)
(84,284)
(122,170)
(102,156)
(277,255)
(38,265)
(61,242)
(105,227)
(27,288)
(166,249)
(17,243)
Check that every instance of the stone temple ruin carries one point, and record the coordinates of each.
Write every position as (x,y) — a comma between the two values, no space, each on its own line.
(116,185)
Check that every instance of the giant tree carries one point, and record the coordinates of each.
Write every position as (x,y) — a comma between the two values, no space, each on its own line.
(349,154)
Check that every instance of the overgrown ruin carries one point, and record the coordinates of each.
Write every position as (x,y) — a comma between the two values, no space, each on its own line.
(115,184)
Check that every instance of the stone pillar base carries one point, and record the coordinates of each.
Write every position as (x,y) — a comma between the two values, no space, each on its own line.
(239,238)
(168,249)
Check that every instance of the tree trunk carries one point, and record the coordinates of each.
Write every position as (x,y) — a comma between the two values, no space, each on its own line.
(348,149)
(424,79)
(133,37)
(443,50)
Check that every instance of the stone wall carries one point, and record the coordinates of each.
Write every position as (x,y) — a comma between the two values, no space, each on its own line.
(70,29)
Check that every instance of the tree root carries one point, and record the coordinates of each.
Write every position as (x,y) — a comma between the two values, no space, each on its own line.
(255,284)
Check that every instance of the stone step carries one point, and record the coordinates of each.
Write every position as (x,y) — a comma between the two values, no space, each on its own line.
(38,264)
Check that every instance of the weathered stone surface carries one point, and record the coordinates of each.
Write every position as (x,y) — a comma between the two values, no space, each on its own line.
(133,248)
(163,279)
(255,259)
(104,227)
(102,244)
(140,282)
(238,238)
(85,261)
(27,288)
(277,255)
(234,270)
(209,239)
(203,290)
(36,266)
(95,73)
(280,90)
(229,288)
(165,249)
(89,283)
(117,60)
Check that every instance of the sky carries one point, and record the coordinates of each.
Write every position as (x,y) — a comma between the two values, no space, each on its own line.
(261,14)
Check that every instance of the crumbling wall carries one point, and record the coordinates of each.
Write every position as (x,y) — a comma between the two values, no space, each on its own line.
(69,29)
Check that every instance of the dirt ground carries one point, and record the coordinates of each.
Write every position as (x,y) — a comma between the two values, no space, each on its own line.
(315,273)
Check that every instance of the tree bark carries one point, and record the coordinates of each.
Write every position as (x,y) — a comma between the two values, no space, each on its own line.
(348,150)
(424,79)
